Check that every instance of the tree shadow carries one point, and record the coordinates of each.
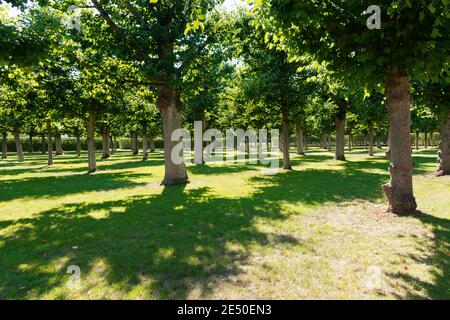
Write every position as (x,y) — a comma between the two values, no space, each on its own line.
(435,253)
(179,240)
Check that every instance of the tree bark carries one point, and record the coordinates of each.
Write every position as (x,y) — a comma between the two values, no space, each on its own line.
(417,139)
(371,140)
(399,190)
(4,145)
(444,145)
(50,143)
(105,143)
(43,146)
(378,141)
(168,103)
(286,143)
(19,150)
(90,128)
(350,141)
(340,130)
(30,142)
(112,144)
(78,146)
(152,143)
(58,144)
(426,140)
(144,143)
(135,143)
(300,146)
(432,139)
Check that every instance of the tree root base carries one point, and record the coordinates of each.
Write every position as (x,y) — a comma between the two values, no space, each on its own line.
(400,204)
(174,182)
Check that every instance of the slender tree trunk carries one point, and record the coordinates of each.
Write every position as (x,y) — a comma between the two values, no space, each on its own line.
(112,144)
(43,146)
(306,141)
(371,140)
(58,144)
(417,140)
(50,143)
(444,145)
(78,147)
(350,141)
(90,128)
(286,143)
(399,190)
(300,146)
(105,143)
(426,140)
(144,143)
(378,141)
(30,142)
(116,144)
(18,143)
(4,145)
(152,143)
(432,139)
(340,130)
(168,103)
(135,143)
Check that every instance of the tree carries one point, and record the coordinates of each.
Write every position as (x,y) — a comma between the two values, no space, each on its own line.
(411,41)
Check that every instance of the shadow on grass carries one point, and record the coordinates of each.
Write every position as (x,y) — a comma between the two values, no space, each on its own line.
(179,239)
(434,253)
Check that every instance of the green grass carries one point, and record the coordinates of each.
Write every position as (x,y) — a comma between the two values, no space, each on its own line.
(319,231)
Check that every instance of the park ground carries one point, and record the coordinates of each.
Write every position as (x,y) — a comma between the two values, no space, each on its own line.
(236,231)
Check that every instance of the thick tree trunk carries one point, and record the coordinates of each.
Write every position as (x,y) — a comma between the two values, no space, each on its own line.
(444,145)
(105,143)
(300,146)
(30,142)
(417,139)
(144,143)
(90,128)
(168,103)
(340,130)
(371,140)
(78,146)
(4,145)
(135,143)
(58,143)
(18,143)
(50,143)
(399,190)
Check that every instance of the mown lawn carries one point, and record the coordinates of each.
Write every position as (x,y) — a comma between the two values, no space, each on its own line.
(233,232)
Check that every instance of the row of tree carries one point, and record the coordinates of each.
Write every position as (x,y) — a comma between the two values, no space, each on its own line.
(313,68)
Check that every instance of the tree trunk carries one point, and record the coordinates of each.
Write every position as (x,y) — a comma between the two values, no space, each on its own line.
(58,144)
(417,140)
(90,128)
(285,137)
(30,142)
(112,144)
(432,139)
(444,145)
(18,143)
(350,142)
(168,103)
(105,143)
(371,140)
(426,140)
(116,144)
(4,145)
(50,143)
(135,143)
(144,143)
(78,147)
(378,141)
(399,190)
(340,130)
(306,142)
(300,146)
(152,143)
(43,146)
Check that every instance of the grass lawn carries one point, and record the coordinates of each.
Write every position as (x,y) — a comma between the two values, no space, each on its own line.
(234,232)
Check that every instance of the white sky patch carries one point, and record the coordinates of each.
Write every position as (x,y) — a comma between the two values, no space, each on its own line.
(230,5)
